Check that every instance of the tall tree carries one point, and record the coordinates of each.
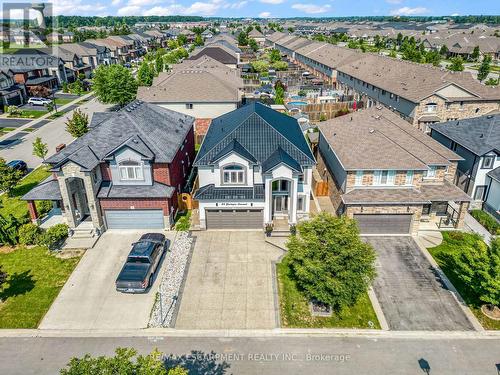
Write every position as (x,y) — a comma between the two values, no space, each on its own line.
(484,68)
(457,64)
(329,260)
(475,53)
(145,74)
(9,177)
(114,84)
(40,149)
(77,125)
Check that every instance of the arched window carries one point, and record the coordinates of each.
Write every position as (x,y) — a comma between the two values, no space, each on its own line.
(233,174)
(130,170)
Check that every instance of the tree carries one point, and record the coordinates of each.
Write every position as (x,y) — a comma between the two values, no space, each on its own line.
(491,82)
(260,65)
(145,74)
(9,177)
(124,362)
(475,53)
(182,40)
(484,68)
(330,262)
(40,149)
(198,41)
(253,44)
(274,55)
(114,84)
(77,125)
(457,64)
(491,284)
(443,51)
(279,97)
(242,39)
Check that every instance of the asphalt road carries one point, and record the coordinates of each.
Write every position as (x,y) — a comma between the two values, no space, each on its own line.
(268,355)
(20,145)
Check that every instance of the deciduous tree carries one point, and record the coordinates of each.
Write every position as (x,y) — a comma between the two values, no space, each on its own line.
(77,125)
(40,149)
(114,84)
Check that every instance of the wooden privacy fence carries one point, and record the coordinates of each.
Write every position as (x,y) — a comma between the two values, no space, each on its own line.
(328,110)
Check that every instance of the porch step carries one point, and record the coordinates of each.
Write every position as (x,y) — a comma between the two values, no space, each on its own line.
(83,233)
(80,243)
(280,233)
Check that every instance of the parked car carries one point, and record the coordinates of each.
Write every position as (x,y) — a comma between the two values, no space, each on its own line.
(18,165)
(137,274)
(39,101)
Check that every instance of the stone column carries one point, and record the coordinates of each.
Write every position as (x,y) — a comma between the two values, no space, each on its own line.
(293,200)
(268,200)
(464,206)
(67,203)
(94,207)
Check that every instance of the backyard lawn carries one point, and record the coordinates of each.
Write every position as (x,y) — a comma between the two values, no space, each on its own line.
(13,204)
(451,243)
(295,312)
(34,280)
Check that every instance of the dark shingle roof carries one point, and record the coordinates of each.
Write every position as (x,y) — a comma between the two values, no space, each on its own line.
(46,190)
(234,146)
(495,174)
(260,130)
(280,156)
(153,131)
(156,190)
(480,135)
(216,53)
(210,192)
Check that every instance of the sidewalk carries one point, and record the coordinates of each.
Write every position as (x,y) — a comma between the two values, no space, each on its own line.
(33,124)
(475,227)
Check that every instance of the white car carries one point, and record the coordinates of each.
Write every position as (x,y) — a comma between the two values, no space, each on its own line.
(39,101)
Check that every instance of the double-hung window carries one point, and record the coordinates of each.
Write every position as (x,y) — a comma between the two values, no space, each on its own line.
(233,174)
(431,172)
(359,178)
(384,178)
(409,178)
(488,162)
(130,170)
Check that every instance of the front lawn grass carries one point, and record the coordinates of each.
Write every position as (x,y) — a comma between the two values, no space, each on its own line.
(452,243)
(13,204)
(35,277)
(63,101)
(295,312)
(29,114)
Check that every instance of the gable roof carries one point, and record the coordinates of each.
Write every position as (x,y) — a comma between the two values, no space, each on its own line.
(479,135)
(377,138)
(153,131)
(237,148)
(280,157)
(260,130)
(216,52)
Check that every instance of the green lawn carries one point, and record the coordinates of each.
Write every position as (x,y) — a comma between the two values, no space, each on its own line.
(5,130)
(295,313)
(29,114)
(63,101)
(13,204)
(452,242)
(34,280)
(55,115)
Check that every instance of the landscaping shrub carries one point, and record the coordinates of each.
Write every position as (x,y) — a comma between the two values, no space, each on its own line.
(487,221)
(28,234)
(53,236)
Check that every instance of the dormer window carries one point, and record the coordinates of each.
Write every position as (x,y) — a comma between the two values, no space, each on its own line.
(233,174)
(130,170)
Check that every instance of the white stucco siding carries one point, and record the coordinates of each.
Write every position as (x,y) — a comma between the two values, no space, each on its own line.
(201,110)
(494,195)
(234,159)
(481,178)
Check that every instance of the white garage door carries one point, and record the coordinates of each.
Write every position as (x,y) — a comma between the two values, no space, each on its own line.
(134,219)
(384,223)
(234,219)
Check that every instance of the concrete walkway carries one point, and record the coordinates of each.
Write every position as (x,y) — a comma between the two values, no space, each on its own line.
(430,238)
(475,227)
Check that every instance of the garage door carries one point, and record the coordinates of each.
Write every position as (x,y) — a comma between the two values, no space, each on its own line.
(134,219)
(384,223)
(234,219)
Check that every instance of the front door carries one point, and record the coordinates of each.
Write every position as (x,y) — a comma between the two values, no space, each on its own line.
(280,204)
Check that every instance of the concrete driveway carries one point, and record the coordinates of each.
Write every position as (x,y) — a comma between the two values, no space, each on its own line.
(89,300)
(410,293)
(229,282)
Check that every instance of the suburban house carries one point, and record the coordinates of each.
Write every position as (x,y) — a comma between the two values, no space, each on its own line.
(91,54)
(118,49)
(387,175)
(257,35)
(217,52)
(477,141)
(202,88)
(254,168)
(492,199)
(73,63)
(419,93)
(11,93)
(54,37)
(126,172)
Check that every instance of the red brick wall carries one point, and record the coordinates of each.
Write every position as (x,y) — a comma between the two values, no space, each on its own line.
(175,168)
(161,173)
(105,172)
(139,204)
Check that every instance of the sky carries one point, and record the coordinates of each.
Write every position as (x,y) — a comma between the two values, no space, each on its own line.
(274,8)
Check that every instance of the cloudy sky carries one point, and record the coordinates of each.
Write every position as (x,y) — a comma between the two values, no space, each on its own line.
(275,8)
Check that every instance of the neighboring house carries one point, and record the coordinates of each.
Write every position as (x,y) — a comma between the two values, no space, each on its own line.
(207,34)
(202,89)
(254,168)
(257,35)
(55,37)
(492,200)
(388,175)
(91,54)
(219,53)
(73,63)
(477,141)
(126,172)
(32,77)
(118,49)
(420,93)
(11,93)
(68,37)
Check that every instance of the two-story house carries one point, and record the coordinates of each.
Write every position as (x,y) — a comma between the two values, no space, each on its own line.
(11,93)
(477,141)
(91,54)
(125,173)
(388,175)
(254,168)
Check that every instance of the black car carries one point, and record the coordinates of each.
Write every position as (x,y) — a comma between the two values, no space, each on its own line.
(18,165)
(137,275)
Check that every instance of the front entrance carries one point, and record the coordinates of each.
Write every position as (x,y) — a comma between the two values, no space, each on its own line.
(280,204)
(280,198)
(79,206)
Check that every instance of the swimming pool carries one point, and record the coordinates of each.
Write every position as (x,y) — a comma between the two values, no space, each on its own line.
(297,103)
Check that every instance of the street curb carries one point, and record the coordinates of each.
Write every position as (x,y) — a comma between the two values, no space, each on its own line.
(378,309)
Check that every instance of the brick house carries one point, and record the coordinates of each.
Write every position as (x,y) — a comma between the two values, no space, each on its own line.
(125,173)
(387,175)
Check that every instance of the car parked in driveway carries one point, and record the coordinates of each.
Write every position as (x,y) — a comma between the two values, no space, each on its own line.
(39,101)
(137,274)
(18,165)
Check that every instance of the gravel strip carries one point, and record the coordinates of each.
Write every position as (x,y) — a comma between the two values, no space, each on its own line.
(176,258)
